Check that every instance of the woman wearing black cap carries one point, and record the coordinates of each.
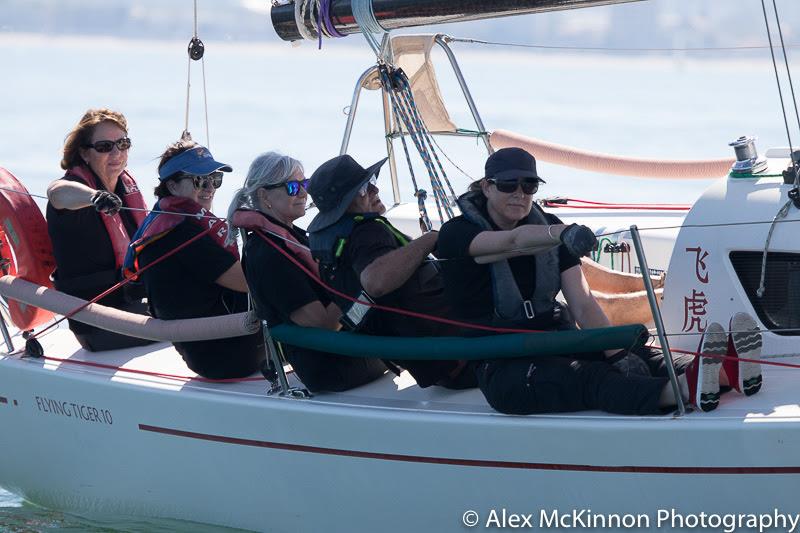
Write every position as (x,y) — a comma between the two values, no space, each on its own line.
(205,277)
(508,261)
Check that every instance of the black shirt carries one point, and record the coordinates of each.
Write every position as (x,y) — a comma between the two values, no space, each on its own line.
(279,288)
(81,244)
(468,285)
(423,292)
(184,286)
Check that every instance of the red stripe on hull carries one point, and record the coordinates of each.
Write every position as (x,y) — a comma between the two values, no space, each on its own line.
(476,462)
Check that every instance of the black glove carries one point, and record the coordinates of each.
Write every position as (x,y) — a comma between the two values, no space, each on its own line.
(579,240)
(106,202)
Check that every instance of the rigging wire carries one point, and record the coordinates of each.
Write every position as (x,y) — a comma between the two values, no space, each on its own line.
(777,75)
(196,51)
(609,49)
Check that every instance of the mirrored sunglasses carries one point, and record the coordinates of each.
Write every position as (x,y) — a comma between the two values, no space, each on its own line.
(292,187)
(104,147)
(364,188)
(205,181)
(529,185)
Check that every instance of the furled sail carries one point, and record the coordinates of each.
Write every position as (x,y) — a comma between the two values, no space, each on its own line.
(394,14)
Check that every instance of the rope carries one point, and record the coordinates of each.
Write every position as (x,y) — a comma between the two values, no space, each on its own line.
(781,215)
(364,16)
(147,372)
(791,88)
(387,308)
(123,282)
(777,76)
(299,19)
(609,49)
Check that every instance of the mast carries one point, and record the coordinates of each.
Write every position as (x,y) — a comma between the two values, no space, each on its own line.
(394,14)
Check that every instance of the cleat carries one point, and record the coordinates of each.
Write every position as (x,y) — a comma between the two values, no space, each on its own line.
(745,341)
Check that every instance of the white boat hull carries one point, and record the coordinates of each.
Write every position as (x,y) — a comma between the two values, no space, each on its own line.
(385,457)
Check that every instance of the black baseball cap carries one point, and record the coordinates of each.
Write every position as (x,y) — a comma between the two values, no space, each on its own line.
(510,164)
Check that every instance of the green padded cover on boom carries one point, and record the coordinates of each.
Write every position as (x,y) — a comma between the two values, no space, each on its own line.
(488,347)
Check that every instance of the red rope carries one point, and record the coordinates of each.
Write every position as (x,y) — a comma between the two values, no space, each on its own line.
(386,307)
(590,202)
(124,281)
(147,373)
(630,207)
(715,356)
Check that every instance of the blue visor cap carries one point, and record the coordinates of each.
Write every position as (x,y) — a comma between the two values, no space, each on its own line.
(197,161)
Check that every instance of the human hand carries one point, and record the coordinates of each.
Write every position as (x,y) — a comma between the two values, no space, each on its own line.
(106,202)
(579,240)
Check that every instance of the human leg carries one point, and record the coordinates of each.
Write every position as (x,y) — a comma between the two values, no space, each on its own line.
(558,384)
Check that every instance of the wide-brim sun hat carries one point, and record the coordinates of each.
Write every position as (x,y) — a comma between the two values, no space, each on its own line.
(197,161)
(334,185)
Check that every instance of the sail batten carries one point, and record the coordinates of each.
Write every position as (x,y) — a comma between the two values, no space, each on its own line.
(395,14)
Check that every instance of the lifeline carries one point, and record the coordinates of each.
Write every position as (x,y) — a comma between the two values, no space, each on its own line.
(671,518)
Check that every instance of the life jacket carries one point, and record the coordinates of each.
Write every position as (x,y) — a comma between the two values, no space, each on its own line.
(113,223)
(257,221)
(328,246)
(508,301)
(158,223)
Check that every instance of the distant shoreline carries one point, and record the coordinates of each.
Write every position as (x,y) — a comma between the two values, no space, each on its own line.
(358,48)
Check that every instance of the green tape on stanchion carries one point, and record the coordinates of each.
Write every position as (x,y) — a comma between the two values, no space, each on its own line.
(489,347)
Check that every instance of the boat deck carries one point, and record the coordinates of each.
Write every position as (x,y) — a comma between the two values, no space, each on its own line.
(159,366)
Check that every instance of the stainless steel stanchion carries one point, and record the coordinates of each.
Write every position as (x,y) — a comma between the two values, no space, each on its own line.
(662,336)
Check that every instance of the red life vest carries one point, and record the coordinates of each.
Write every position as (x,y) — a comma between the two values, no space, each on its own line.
(114,226)
(257,221)
(165,216)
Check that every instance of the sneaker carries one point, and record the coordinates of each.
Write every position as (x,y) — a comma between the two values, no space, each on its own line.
(702,375)
(745,341)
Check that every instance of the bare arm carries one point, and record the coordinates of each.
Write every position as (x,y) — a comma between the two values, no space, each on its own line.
(582,305)
(491,246)
(233,278)
(316,315)
(64,194)
(388,272)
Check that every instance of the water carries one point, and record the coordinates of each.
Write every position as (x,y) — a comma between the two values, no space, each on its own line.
(266,97)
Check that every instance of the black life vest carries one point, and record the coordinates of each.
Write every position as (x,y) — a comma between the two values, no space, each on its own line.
(509,303)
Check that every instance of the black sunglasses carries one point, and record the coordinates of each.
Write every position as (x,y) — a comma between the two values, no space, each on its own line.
(529,185)
(104,147)
(202,182)
(292,187)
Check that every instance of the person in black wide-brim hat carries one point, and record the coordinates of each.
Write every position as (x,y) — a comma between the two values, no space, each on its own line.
(361,254)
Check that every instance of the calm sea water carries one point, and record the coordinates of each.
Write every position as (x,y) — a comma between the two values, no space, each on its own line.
(276,97)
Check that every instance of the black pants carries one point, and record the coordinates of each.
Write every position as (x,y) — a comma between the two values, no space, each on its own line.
(330,372)
(99,340)
(549,384)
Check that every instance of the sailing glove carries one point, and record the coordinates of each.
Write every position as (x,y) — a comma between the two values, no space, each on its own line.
(106,202)
(579,240)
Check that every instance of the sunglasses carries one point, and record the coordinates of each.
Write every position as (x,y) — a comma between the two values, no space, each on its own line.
(529,186)
(104,147)
(292,187)
(364,188)
(206,181)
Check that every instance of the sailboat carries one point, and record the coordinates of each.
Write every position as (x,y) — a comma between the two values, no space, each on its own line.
(134,433)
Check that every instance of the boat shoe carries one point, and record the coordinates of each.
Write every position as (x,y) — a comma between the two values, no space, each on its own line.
(702,375)
(744,341)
